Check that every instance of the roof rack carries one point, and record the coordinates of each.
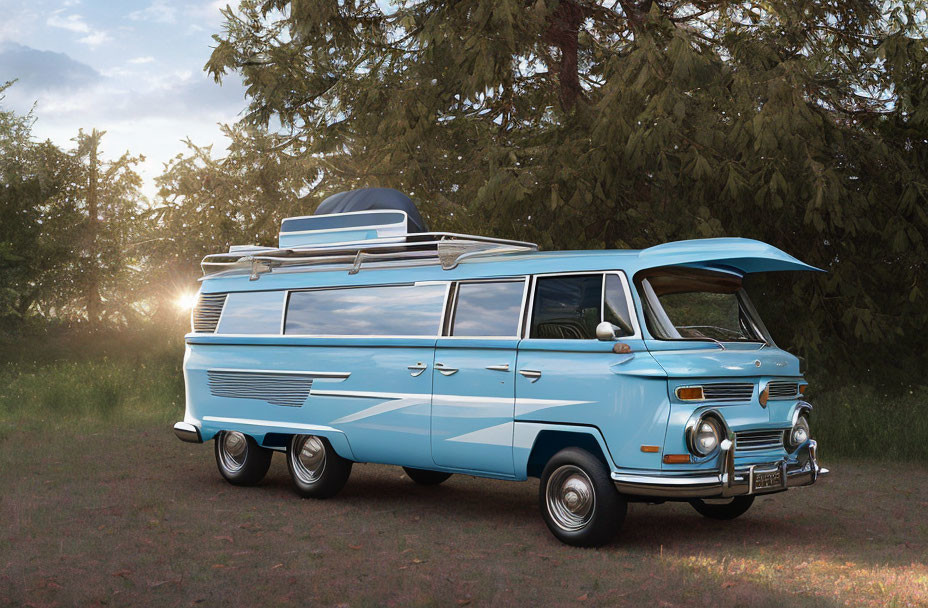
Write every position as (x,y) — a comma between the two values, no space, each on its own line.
(420,249)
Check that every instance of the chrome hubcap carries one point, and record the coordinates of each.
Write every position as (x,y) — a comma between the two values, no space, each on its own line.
(570,498)
(308,458)
(233,449)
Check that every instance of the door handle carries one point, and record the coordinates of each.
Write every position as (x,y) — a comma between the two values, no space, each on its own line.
(445,371)
(532,374)
(499,368)
(417,369)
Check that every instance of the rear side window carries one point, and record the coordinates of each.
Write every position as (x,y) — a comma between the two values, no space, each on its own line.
(254,312)
(394,310)
(488,309)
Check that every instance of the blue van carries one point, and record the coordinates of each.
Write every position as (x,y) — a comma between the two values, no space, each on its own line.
(613,376)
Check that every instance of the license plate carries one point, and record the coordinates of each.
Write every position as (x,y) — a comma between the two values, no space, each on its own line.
(767,479)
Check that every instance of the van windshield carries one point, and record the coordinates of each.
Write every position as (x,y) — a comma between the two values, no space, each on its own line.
(691,304)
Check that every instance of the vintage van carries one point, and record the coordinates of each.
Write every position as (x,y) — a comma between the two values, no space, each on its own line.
(613,376)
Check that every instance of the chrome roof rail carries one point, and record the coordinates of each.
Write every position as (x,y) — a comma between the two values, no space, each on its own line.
(445,248)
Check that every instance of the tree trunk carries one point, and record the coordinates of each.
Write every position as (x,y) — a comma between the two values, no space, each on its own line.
(563,30)
(92,293)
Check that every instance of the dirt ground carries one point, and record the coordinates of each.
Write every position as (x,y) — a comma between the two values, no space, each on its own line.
(135,517)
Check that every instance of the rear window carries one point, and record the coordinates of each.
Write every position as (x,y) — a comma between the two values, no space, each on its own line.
(393,310)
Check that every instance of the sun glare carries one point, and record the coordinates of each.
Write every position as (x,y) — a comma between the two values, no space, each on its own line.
(186,301)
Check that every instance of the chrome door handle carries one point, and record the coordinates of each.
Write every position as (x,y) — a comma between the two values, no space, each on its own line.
(445,371)
(499,368)
(417,369)
(532,374)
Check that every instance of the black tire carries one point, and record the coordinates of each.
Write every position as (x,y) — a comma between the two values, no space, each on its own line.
(240,459)
(424,477)
(723,510)
(583,479)
(320,473)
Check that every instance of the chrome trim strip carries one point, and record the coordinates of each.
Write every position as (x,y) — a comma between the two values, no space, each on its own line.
(338,375)
(271,423)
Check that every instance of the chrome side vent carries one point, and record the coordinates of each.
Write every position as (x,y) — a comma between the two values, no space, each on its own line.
(755,441)
(289,389)
(780,389)
(207,311)
(728,391)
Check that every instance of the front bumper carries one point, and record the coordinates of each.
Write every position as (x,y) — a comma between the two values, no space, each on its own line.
(800,468)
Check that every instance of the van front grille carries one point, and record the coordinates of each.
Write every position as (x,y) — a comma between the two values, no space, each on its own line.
(290,389)
(782,389)
(728,391)
(754,441)
(207,311)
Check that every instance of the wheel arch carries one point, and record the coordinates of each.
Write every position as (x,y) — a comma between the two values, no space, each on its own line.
(536,443)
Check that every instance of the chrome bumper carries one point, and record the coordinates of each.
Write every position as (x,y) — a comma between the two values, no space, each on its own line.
(798,469)
(187,432)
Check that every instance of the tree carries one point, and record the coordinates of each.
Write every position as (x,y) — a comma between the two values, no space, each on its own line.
(35,216)
(588,124)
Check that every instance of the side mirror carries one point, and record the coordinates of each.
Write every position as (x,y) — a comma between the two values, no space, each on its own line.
(605,331)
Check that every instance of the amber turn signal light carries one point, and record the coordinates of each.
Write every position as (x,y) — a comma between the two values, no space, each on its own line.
(802,389)
(764,395)
(650,449)
(676,458)
(690,393)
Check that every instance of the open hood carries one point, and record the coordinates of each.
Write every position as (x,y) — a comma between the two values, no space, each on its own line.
(743,256)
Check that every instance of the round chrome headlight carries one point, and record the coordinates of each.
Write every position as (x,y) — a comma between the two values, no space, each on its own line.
(706,436)
(799,434)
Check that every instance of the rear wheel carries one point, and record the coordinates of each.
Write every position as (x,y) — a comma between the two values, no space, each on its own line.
(316,470)
(424,477)
(578,500)
(240,459)
(722,509)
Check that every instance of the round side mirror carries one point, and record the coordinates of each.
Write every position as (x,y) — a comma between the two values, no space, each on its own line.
(605,331)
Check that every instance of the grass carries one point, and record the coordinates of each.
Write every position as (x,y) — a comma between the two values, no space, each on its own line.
(132,516)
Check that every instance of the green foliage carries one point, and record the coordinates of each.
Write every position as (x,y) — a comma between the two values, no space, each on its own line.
(67,224)
(587,124)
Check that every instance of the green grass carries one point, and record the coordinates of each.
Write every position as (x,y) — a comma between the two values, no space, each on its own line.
(80,379)
(867,421)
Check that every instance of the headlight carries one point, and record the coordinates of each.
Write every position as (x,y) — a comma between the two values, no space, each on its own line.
(705,436)
(799,434)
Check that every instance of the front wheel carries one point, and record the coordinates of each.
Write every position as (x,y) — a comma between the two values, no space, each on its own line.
(578,500)
(723,510)
(240,459)
(316,470)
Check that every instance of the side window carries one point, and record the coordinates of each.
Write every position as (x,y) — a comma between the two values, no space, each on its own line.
(252,312)
(393,310)
(488,309)
(616,306)
(567,307)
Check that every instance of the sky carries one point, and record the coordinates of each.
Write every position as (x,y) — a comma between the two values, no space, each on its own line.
(132,68)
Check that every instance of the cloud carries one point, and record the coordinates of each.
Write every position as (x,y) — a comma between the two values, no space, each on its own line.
(95,39)
(43,70)
(72,23)
(158,11)
(141,60)
(75,23)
